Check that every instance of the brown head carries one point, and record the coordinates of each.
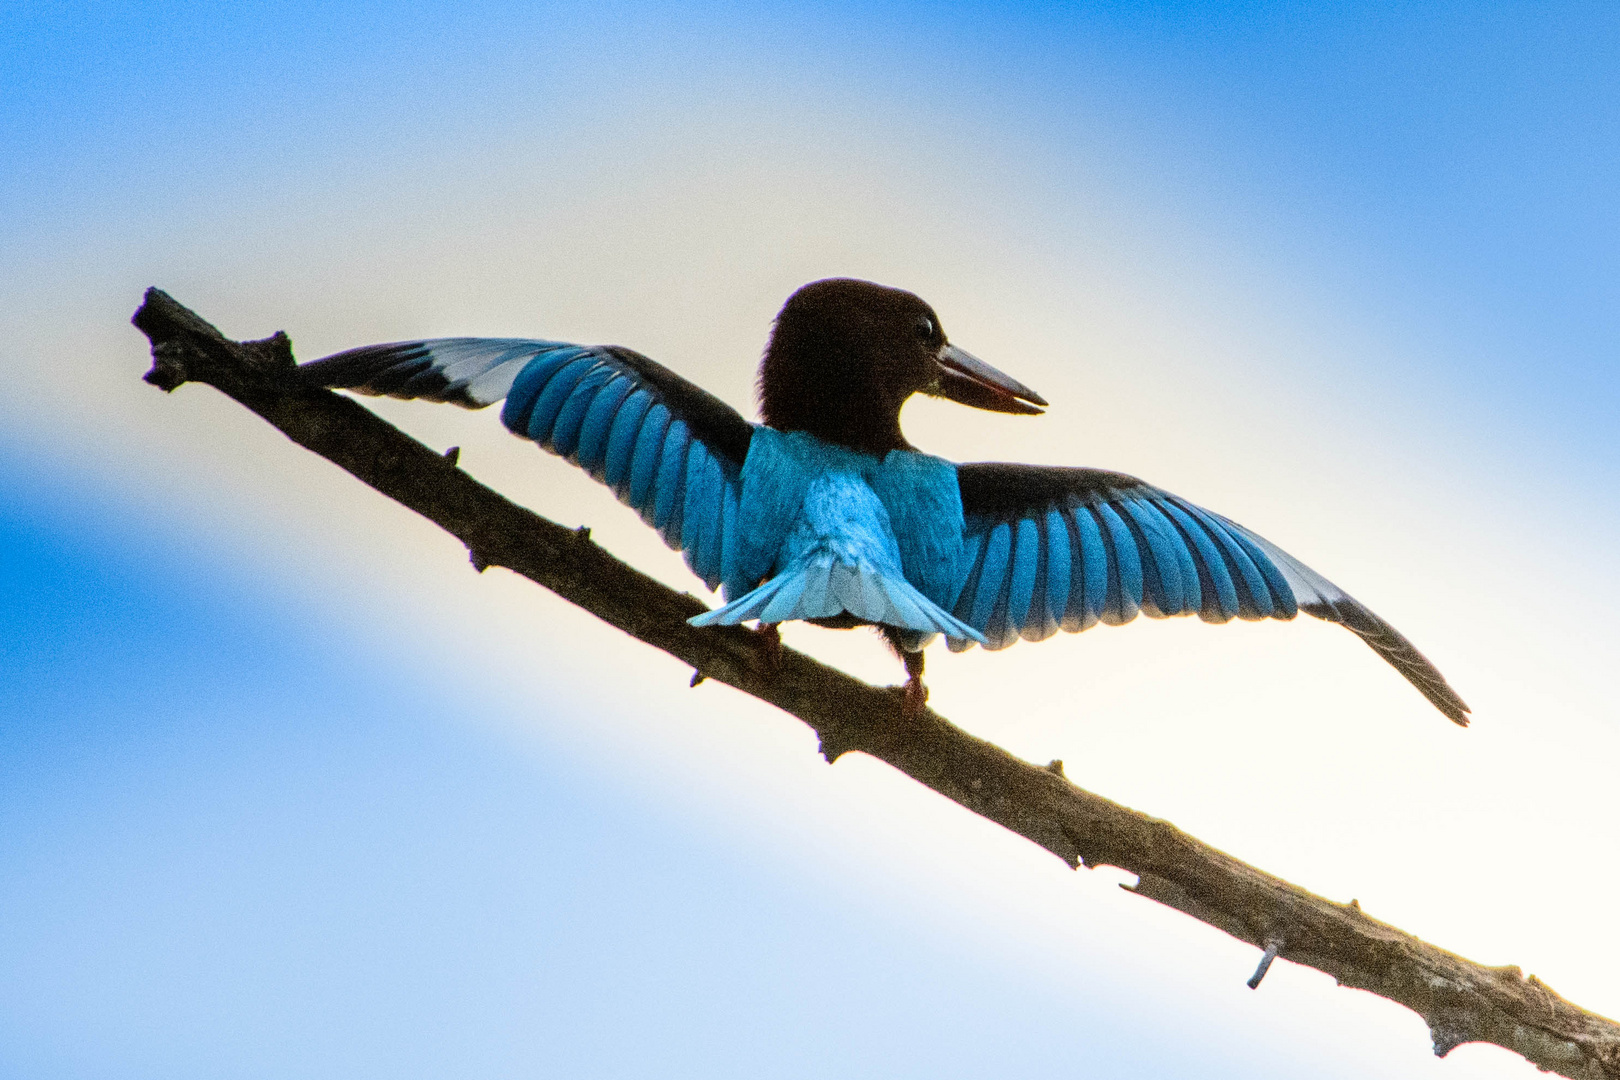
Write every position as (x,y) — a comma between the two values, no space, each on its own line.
(845,355)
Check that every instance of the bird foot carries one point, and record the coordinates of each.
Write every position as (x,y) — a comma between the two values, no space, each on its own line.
(915,700)
(770,644)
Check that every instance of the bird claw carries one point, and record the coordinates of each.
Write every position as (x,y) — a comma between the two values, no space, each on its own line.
(915,699)
(770,644)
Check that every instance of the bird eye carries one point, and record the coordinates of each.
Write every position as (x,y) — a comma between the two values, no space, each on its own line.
(925,328)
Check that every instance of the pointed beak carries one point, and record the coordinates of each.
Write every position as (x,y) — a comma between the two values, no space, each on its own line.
(965,378)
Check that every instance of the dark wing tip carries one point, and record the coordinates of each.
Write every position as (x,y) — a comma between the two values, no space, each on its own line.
(405,369)
(370,369)
(1397,651)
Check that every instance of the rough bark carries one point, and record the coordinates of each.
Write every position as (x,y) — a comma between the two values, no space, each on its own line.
(1460,1000)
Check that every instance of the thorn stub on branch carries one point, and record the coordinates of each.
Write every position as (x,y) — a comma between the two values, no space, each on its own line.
(480,564)
(1449,1029)
(1273,947)
(272,352)
(1055,767)
(168,370)
(583,533)
(453,455)
(697,677)
(832,747)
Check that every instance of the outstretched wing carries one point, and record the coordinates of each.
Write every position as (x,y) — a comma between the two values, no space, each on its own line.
(667,448)
(1051,548)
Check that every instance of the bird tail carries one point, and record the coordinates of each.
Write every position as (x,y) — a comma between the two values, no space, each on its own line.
(823,586)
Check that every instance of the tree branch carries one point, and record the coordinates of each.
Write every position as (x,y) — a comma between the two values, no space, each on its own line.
(1460,1000)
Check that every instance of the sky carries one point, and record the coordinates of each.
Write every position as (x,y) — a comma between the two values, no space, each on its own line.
(286,789)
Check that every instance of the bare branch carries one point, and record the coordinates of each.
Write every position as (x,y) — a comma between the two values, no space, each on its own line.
(1460,1000)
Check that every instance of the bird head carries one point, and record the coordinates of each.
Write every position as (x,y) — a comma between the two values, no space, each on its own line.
(845,355)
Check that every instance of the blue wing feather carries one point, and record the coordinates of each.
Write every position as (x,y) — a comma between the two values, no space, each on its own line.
(1040,623)
(1153,598)
(542,419)
(722,522)
(1089,593)
(644,464)
(1163,590)
(669,483)
(1195,591)
(1215,564)
(1058,569)
(992,580)
(1259,599)
(1026,560)
(1285,604)
(971,564)
(621,442)
(700,532)
(729,533)
(1124,565)
(528,384)
(565,430)
(692,491)
(973,542)
(1256,600)
(597,426)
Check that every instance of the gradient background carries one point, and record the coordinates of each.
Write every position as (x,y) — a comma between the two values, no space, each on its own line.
(286,790)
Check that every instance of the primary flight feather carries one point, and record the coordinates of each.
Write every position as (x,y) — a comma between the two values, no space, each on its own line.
(824,512)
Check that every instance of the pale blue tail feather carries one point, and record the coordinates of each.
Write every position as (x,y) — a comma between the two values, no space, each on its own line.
(823,586)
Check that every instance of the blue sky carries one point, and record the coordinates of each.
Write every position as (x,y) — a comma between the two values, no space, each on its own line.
(232,854)
(285,790)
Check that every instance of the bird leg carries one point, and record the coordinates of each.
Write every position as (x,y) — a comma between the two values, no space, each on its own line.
(770,643)
(916,693)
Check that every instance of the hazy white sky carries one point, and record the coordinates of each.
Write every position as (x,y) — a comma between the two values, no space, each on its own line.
(285,789)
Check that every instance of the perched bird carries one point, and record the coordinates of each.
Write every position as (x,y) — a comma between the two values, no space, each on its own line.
(824,512)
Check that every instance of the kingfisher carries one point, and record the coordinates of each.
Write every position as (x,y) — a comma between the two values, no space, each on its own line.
(823,512)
